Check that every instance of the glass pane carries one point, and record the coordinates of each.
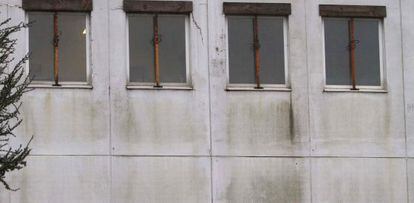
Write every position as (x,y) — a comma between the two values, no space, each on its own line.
(337,51)
(41,46)
(172,48)
(272,61)
(241,52)
(72,47)
(367,54)
(141,49)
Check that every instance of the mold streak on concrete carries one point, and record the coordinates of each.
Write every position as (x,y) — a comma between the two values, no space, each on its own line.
(261,180)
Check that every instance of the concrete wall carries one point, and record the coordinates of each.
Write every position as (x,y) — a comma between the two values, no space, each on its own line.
(110,144)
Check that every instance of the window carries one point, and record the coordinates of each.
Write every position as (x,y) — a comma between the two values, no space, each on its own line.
(157,49)
(58,41)
(257,44)
(353,49)
(256,50)
(158,43)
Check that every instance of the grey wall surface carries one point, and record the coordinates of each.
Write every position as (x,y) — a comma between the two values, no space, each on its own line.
(298,144)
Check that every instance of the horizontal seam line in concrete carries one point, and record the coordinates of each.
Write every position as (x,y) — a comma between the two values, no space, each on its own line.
(221,156)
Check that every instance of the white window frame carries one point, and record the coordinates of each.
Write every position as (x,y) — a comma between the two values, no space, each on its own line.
(150,85)
(252,86)
(64,84)
(361,88)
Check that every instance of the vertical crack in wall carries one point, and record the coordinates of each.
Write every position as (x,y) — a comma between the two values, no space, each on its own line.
(198,28)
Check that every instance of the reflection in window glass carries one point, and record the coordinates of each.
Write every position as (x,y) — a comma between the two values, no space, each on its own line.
(72,47)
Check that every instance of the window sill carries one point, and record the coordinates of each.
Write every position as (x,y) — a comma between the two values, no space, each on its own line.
(355,91)
(265,89)
(147,87)
(63,86)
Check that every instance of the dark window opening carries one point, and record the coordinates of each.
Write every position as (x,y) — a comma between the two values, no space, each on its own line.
(352,51)
(256,50)
(157,49)
(57,43)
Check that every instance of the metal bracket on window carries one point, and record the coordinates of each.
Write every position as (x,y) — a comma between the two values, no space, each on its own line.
(159,39)
(353,44)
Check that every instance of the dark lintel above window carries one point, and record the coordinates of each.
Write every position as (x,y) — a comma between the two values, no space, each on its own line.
(352,11)
(266,9)
(169,7)
(58,5)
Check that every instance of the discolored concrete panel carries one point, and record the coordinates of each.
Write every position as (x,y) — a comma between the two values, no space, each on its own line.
(151,123)
(161,179)
(261,180)
(364,125)
(261,125)
(65,122)
(63,179)
(358,180)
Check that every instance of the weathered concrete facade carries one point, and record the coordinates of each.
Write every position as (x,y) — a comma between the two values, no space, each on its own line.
(110,144)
